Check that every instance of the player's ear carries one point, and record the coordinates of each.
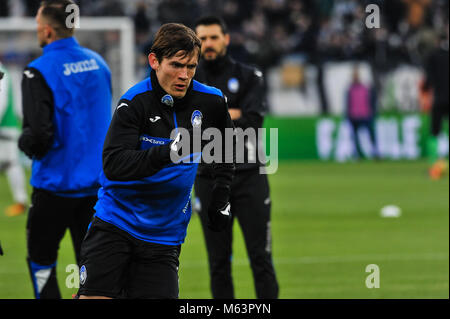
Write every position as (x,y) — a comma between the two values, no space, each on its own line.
(48,31)
(227,39)
(153,61)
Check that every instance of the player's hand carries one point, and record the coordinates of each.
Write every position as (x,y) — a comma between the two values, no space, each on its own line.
(219,219)
(175,144)
(190,139)
(235,114)
(165,152)
(219,211)
(184,143)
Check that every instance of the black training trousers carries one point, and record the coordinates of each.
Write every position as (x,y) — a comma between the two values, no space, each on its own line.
(48,219)
(250,204)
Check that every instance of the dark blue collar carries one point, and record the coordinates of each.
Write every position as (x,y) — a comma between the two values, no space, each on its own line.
(62,43)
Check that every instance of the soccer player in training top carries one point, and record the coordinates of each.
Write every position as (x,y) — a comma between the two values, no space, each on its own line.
(66,113)
(132,247)
(249,198)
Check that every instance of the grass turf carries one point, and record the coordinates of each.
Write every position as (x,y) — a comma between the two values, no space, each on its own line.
(326,228)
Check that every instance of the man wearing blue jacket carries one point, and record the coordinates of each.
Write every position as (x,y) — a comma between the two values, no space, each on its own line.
(66,113)
(132,247)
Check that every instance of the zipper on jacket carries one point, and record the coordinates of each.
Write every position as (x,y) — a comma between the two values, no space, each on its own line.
(175,122)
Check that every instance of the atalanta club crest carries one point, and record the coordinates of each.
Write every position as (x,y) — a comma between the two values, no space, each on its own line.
(167,100)
(196,118)
(83,274)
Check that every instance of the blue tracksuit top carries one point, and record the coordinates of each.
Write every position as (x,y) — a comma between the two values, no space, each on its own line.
(80,81)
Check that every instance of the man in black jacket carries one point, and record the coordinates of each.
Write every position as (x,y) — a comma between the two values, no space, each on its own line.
(250,198)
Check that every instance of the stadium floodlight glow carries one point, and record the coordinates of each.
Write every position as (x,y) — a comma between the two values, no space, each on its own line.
(123,25)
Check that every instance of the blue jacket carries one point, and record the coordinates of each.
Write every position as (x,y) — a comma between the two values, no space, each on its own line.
(78,115)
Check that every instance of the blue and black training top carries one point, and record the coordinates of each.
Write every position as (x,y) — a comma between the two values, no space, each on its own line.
(138,195)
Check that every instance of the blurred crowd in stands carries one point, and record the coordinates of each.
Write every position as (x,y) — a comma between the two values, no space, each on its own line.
(265,30)
(267,33)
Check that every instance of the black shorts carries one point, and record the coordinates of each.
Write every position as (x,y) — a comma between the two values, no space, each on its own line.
(117,265)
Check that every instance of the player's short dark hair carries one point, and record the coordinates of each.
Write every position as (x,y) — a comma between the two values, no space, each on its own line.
(211,20)
(174,37)
(55,12)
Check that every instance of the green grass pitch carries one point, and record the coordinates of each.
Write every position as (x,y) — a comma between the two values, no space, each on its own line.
(326,229)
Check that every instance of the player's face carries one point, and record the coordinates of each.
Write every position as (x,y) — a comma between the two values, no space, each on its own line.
(175,74)
(214,42)
(42,29)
